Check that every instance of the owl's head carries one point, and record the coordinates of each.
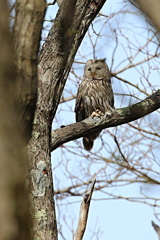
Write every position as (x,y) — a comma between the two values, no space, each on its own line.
(96,69)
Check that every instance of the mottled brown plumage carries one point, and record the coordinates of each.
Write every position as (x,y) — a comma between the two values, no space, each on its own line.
(95,92)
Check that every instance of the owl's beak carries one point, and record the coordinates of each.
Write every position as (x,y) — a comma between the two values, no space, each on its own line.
(93,74)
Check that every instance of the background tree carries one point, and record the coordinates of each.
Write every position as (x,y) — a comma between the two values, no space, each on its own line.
(123,155)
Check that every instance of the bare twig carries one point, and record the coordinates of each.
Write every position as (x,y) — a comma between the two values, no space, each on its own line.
(119,149)
(12,7)
(67,99)
(52,3)
(84,209)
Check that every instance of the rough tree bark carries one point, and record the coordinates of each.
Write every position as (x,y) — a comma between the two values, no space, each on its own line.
(27,33)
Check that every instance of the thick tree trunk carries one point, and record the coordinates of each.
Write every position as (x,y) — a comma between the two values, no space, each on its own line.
(151,8)
(27,33)
(56,58)
(14,214)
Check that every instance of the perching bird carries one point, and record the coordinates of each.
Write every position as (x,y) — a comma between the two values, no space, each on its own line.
(94,94)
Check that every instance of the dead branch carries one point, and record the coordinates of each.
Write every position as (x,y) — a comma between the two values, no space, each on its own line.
(83,216)
(156,228)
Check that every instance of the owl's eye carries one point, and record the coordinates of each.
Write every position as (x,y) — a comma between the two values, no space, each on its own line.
(89,69)
(98,68)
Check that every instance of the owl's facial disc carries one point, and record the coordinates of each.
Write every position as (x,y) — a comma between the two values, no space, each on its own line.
(95,70)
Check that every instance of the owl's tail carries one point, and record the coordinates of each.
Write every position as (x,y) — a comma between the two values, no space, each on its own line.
(88,143)
(89,140)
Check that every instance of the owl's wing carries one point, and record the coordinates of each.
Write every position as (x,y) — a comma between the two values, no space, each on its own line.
(111,102)
(79,107)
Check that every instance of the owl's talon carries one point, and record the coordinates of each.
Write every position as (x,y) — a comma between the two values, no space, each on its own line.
(107,114)
(97,113)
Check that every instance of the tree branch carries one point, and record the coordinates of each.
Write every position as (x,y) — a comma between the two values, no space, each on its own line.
(84,213)
(120,116)
(156,228)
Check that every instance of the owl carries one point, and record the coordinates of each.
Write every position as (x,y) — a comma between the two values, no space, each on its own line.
(95,94)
